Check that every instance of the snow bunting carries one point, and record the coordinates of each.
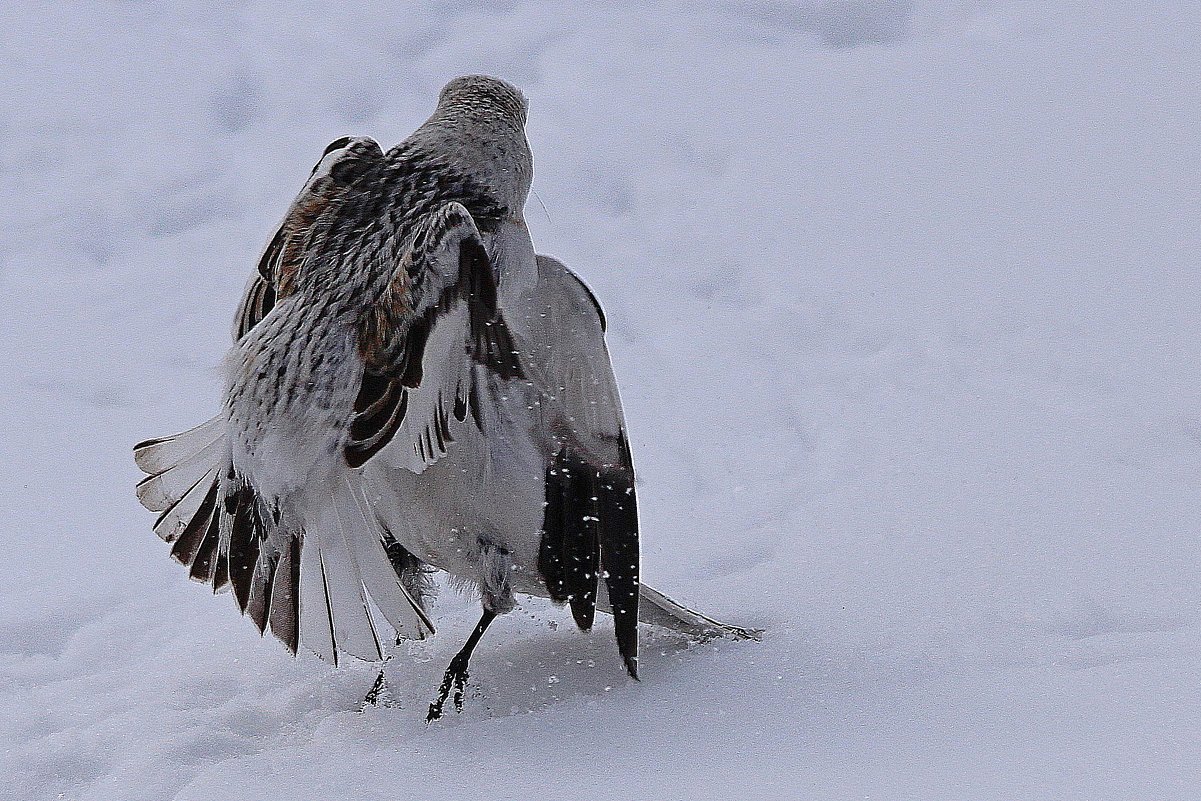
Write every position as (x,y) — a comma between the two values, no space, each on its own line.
(412,388)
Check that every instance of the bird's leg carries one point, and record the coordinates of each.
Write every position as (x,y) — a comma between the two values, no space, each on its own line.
(496,592)
(456,675)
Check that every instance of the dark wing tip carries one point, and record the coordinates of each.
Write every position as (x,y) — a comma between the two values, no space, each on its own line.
(632,666)
(626,629)
(583,611)
(337,144)
(618,511)
(146,443)
(569,550)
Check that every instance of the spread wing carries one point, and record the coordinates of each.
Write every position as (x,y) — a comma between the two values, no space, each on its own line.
(308,584)
(343,161)
(590,527)
(425,343)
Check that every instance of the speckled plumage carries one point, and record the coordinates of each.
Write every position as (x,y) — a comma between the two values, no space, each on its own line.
(410,385)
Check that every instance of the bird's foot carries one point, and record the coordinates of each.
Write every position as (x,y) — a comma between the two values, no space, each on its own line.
(378,694)
(454,682)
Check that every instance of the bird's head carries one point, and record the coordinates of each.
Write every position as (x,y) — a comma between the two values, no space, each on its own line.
(485,96)
(479,124)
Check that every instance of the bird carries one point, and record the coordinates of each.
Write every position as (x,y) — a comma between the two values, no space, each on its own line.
(413,389)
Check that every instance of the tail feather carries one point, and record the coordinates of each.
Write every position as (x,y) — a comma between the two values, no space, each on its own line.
(172,522)
(353,628)
(157,455)
(159,491)
(399,607)
(285,596)
(187,544)
(243,551)
(316,609)
(176,464)
(258,605)
(657,609)
(345,569)
(204,563)
(312,580)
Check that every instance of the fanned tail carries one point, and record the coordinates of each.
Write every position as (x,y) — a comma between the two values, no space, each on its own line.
(310,579)
(345,564)
(175,465)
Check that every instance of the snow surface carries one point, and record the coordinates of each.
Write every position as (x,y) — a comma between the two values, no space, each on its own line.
(903,299)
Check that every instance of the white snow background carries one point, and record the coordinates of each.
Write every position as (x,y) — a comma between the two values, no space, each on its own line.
(903,297)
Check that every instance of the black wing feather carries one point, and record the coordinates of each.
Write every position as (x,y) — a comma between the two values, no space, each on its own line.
(569,553)
(617,508)
(591,522)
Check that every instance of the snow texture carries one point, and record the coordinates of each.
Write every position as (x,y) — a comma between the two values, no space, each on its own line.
(903,299)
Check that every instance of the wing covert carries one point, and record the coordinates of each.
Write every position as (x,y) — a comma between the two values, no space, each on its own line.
(436,324)
(342,163)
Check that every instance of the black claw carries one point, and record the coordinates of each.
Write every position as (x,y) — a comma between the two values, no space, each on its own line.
(459,698)
(377,689)
(453,684)
(631,663)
